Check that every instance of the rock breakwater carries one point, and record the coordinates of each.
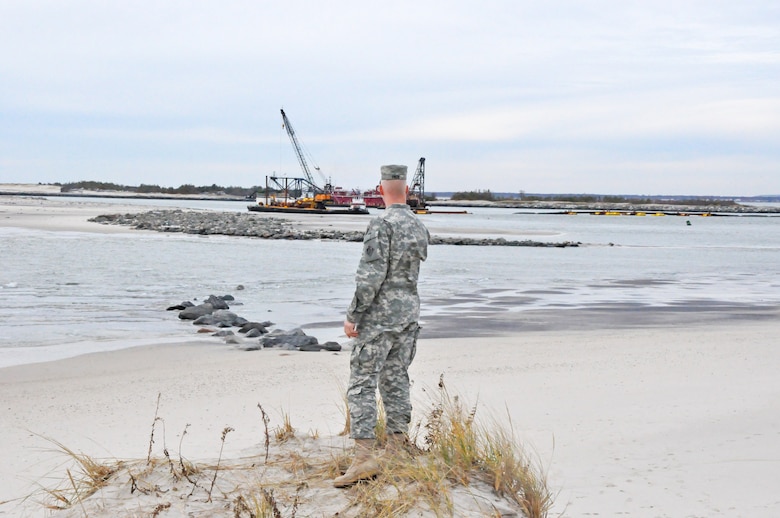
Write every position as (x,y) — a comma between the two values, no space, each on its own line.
(214,311)
(252,225)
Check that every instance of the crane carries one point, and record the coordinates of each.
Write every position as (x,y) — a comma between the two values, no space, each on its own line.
(416,197)
(321,194)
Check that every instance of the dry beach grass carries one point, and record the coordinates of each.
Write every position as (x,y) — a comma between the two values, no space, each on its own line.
(454,466)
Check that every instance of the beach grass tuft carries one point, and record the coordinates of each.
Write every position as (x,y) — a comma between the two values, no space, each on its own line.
(452,465)
(285,431)
(456,452)
(87,476)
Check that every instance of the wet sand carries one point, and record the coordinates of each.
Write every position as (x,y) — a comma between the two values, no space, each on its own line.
(635,411)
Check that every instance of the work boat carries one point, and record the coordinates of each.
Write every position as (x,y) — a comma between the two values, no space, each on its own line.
(358,205)
(306,205)
(343,198)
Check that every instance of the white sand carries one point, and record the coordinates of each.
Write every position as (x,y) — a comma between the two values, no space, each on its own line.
(675,422)
(682,422)
(30,212)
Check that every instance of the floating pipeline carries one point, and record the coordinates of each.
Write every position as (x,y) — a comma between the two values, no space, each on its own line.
(250,225)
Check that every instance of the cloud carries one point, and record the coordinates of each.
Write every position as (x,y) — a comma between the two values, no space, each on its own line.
(476,86)
(698,114)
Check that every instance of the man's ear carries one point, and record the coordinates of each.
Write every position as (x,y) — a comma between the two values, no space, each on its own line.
(381,189)
(407,189)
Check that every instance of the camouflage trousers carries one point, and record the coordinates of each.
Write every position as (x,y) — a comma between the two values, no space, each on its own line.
(381,361)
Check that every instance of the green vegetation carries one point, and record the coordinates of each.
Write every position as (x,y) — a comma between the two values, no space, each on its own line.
(634,200)
(702,201)
(586,198)
(474,195)
(152,188)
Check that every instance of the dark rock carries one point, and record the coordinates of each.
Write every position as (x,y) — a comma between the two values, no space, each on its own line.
(217,302)
(332,346)
(253,333)
(224,332)
(240,321)
(220,318)
(287,339)
(194,312)
(178,307)
(228,298)
(259,326)
(310,348)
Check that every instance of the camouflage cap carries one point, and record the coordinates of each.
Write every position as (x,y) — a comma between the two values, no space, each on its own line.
(393,172)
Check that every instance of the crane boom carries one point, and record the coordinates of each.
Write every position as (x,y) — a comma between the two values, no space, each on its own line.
(416,197)
(298,152)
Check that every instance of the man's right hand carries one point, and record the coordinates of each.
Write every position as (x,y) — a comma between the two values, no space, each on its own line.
(350,329)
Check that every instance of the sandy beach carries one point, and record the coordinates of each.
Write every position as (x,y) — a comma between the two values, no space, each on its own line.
(662,419)
(58,214)
(678,422)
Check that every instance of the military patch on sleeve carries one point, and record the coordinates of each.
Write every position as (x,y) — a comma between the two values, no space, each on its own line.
(371,251)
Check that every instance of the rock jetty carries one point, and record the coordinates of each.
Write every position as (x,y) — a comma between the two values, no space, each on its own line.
(221,223)
(214,311)
(251,225)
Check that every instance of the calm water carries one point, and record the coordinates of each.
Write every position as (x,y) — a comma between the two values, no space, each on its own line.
(66,293)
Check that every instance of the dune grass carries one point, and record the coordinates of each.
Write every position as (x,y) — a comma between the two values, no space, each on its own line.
(86,476)
(488,451)
(449,449)
(452,460)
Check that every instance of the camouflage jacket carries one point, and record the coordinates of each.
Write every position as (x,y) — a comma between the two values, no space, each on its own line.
(386,280)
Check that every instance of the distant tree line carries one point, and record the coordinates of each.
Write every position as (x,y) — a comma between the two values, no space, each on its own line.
(474,195)
(152,188)
(586,198)
(635,200)
(487,195)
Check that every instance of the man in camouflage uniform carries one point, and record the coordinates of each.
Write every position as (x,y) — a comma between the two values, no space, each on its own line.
(383,318)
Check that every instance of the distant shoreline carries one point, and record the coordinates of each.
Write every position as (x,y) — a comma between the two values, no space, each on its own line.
(564,206)
(129,196)
(575,207)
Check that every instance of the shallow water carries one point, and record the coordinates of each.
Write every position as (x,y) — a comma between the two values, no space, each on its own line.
(66,293)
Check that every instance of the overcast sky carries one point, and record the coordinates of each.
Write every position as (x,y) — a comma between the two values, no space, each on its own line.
(615,97)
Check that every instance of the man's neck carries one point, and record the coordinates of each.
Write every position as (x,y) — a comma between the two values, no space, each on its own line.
(394,201)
